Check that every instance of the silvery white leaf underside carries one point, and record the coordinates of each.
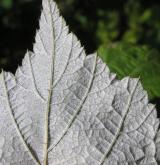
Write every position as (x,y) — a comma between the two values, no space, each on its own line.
(65,108)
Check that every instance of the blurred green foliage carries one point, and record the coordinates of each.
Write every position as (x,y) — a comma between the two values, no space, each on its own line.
(6,3)
(97,23)
(104,21)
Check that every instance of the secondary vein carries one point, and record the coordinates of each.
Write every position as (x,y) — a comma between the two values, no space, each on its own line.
(78,109)
(15,123)
(121,125)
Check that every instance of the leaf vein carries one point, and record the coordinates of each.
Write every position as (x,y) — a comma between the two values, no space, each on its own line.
(15,123)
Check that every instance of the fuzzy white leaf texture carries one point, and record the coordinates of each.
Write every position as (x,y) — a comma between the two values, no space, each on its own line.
(158,147)
(63,107)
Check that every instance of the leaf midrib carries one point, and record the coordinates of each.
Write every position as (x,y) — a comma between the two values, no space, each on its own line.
(50,90)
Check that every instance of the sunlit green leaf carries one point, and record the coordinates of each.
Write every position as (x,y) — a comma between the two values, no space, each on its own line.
(128,59)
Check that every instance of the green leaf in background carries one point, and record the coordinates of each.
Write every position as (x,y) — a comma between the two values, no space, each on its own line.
(131,60)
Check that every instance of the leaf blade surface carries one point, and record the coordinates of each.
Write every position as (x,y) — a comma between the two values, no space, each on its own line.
(66,108)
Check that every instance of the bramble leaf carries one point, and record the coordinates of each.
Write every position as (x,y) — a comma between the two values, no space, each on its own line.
(65,108)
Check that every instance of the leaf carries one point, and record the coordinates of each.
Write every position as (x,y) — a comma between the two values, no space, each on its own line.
(65,108)
(158,147)
(127,59)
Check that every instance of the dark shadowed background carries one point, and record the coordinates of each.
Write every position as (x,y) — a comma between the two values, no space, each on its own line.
(126,34)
